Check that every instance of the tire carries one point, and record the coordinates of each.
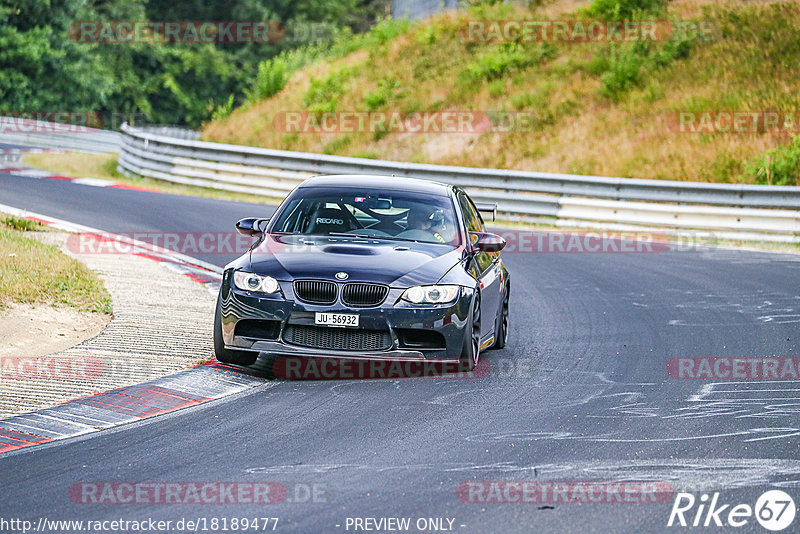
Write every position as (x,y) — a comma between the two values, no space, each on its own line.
(501,337)
(472,344)
(267,370)
(236,357)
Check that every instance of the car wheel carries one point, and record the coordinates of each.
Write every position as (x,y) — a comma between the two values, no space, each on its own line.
(268,368)
(472,345)
(502,327)
(237,357)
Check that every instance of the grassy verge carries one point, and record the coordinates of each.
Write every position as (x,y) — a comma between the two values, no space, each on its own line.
(37,273)
(608,109)
(104,167)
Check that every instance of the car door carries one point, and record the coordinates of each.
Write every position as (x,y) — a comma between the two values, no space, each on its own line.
(485,266)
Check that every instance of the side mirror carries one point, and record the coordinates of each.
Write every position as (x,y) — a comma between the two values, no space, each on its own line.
(486,242)
(251,226)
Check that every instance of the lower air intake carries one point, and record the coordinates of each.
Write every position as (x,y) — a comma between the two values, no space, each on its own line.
(337,338)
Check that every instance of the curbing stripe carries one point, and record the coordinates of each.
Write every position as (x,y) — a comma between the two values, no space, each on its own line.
(34,173)
(23,425)
(19,436)
(94,417)
(38,421)
(171,393)
(23,445)
(31,172)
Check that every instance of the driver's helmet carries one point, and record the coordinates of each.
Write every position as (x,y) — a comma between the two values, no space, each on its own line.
(437,220)
(428,219)
(419,218)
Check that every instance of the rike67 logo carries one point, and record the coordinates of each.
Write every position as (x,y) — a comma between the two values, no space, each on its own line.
(774,510)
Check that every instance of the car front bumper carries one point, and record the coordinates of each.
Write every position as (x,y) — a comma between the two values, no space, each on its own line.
(393,316)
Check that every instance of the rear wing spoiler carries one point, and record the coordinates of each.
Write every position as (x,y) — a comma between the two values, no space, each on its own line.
(487,207)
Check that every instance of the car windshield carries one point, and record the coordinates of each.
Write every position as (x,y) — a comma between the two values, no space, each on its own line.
(403,215)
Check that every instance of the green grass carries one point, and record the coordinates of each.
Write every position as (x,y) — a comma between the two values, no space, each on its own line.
(33,272)
(23,225)
(323,93)
(274,73)
(624,9)
(386,89)
(601,107)
(271,79)
(506,58)
(780,166)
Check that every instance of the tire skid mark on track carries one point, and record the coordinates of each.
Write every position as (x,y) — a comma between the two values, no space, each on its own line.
(756,401)
(683,474)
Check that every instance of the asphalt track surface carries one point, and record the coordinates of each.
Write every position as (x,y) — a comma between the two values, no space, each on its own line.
(581,393)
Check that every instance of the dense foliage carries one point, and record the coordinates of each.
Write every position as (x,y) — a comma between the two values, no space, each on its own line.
(44,68)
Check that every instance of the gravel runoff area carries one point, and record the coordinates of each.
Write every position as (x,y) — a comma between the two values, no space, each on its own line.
(162,323)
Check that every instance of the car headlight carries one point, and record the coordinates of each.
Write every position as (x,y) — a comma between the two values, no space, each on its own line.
(255,282)
(438,294)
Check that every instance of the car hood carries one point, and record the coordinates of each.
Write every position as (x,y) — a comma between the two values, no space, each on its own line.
(397,263)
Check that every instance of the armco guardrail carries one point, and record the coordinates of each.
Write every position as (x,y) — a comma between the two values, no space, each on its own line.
(33,133)
(736,211)
(175,154)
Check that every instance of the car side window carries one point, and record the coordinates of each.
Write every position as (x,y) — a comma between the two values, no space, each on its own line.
(474,224)
(477,214)
(471,217)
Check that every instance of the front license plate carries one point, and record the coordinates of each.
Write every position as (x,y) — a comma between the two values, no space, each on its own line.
(336,319)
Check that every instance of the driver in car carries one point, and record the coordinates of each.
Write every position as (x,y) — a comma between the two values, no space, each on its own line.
(426,220)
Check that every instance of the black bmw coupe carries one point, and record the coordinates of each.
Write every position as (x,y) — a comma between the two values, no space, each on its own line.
(366,267)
